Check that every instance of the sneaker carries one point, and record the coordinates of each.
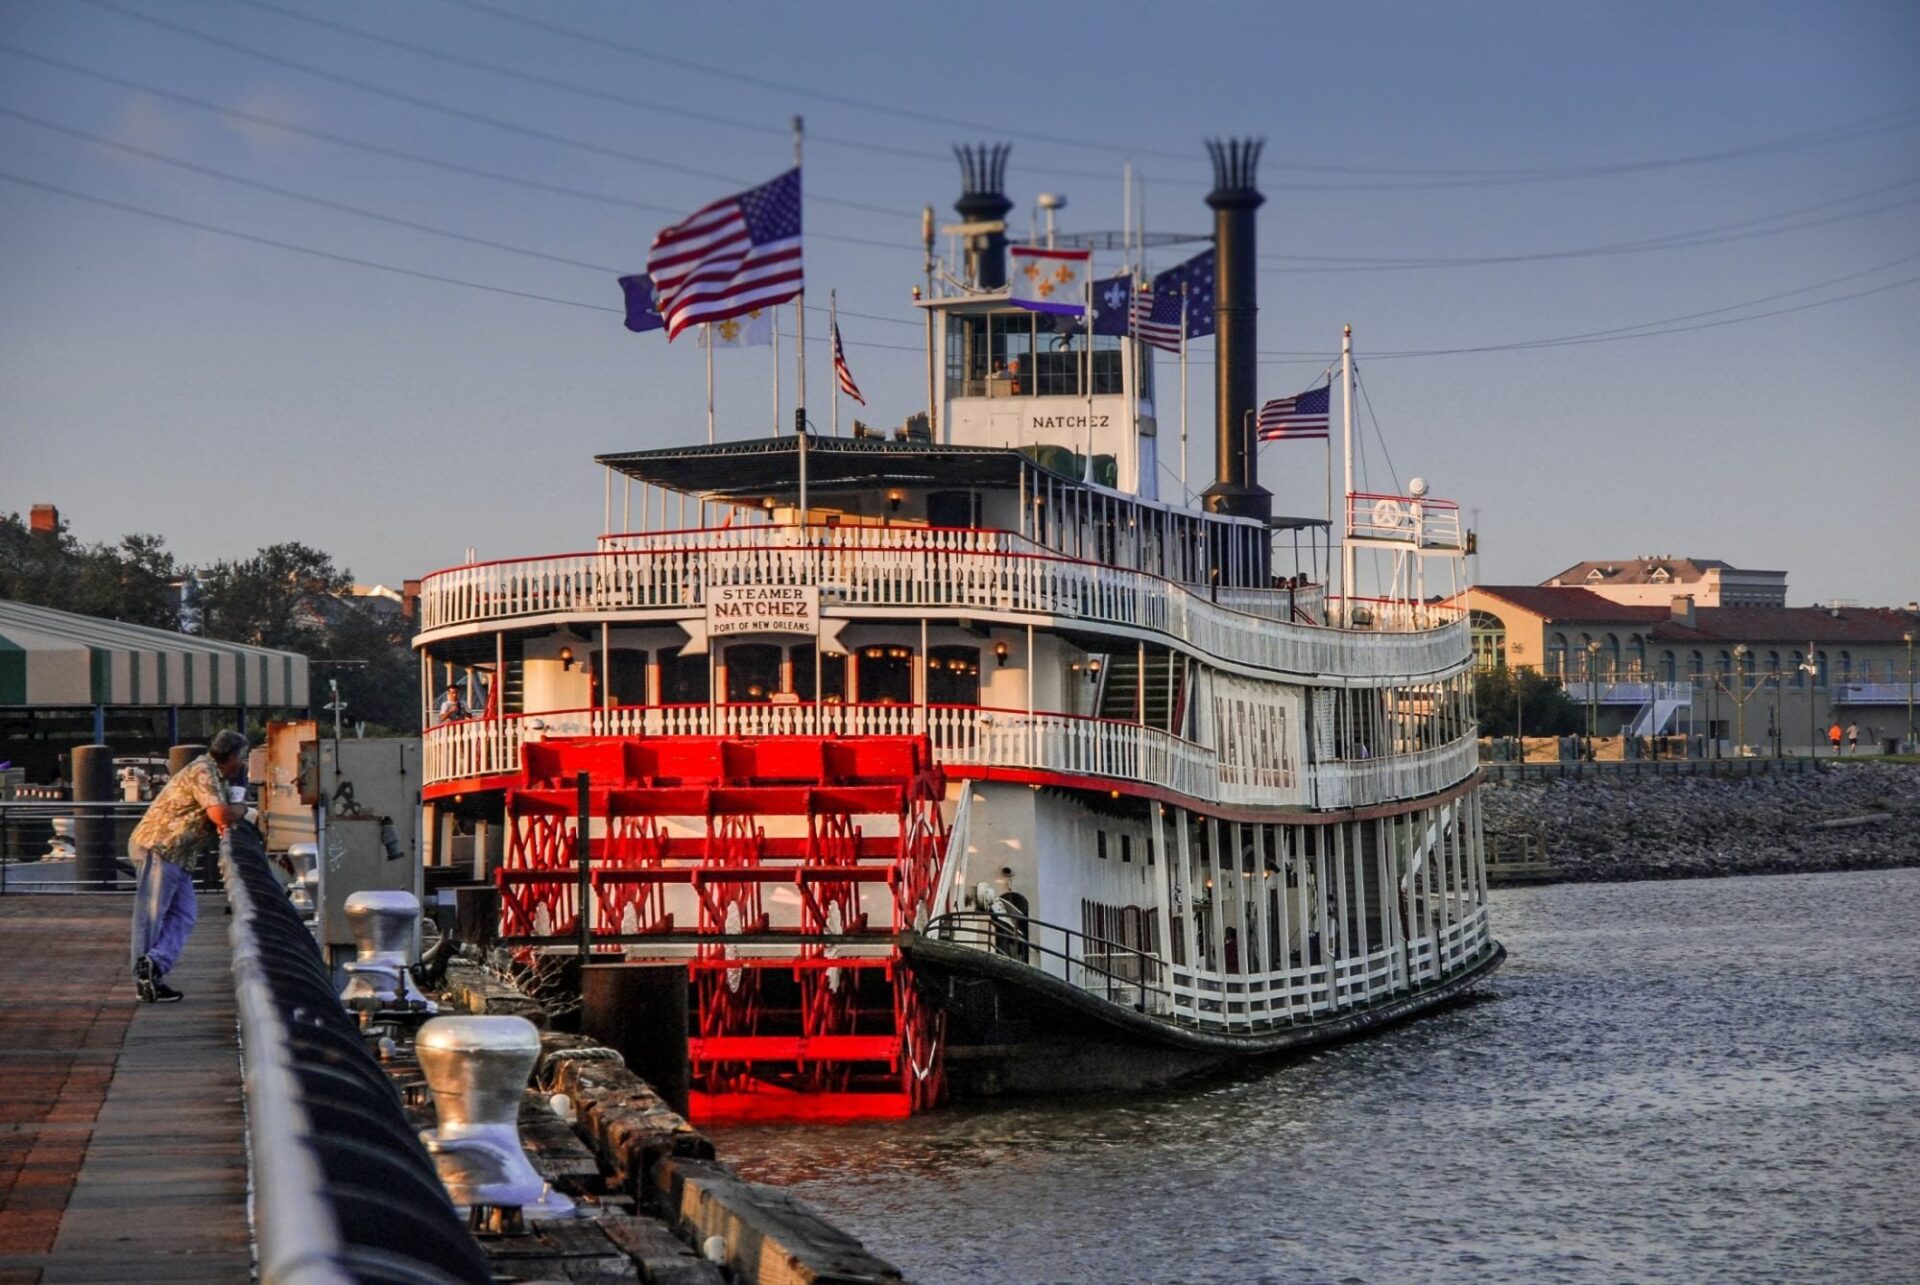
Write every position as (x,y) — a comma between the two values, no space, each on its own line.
(145,980)
(161,993)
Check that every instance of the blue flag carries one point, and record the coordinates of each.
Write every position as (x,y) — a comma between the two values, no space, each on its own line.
(1112,299)
(641,314)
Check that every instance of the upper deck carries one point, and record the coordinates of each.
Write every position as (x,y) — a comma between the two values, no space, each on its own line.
(887,572)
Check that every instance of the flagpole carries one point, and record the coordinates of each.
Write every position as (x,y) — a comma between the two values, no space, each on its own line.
(833,329)
(1346,521)
(1086,320)
(709,383)
(1184,493)
(774,321)
(799,316)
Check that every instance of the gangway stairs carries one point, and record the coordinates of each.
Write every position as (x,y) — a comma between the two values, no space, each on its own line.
(779,871)
(1664,700)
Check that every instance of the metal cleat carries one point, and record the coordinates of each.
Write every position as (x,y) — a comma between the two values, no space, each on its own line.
(304,892)
(477,1068)
(377,976)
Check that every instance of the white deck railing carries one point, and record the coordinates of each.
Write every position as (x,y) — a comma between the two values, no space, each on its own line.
(967,736)
(917,568)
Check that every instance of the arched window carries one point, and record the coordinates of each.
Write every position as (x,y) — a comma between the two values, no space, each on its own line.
(1489,634)
(1667,667)
(885,675)
(1820,669)
(683,679)
(1773,662)
(953,675)
(1699,666)
(1637,656)
(753,673)
(1557,656)
(1846,666)
(1610,657)
(1799,671)
(1724,665)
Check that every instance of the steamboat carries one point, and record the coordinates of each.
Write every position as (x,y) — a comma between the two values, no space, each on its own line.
(960,761)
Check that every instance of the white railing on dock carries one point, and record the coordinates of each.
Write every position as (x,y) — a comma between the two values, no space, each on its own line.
(922,569)
(971,736)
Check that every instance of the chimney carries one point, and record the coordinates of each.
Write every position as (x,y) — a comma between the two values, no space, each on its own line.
(1236,490)
(45,520)
(410,600)
(1682,609)
(983,199)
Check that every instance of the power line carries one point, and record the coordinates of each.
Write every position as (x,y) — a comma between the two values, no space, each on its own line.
(1896,118)
(461,113)
(626,100)
(1671,241)
(394,153)
(294,248)
(321,201)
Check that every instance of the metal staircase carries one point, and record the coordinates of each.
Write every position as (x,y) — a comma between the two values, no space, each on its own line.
(779,871)
(1120,689)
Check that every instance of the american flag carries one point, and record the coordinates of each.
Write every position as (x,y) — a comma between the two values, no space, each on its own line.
(1159,322)
(735,255)
(840,371)
(1304,415)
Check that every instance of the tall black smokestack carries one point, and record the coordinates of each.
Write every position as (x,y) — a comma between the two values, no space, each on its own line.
(983,199)
(1236,489)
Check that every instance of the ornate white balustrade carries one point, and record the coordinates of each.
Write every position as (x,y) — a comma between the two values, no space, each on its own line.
(971,736)
(916,568)
(1350,783)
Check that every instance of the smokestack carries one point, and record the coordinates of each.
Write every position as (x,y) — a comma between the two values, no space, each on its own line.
(983,199)
(44,519)
(1236,490)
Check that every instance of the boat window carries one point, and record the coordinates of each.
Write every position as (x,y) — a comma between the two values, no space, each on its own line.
(886,675)
(684,680)
(1010,365)
(833,673)
(953,509)
(753,673)
(626,675)
(967,356)
(953,676)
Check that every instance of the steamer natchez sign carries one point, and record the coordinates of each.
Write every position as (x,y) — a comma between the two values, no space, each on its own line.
(763,609)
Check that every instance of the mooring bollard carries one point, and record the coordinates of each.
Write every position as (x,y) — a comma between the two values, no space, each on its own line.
(382,924)
(477,1068)
(304,892)
(94,790)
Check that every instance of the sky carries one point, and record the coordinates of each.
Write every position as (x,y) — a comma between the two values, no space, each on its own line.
(192,342)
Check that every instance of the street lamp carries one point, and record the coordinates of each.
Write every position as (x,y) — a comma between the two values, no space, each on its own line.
(1740,711)
(1908,636)
(1593,694)
(1811,668)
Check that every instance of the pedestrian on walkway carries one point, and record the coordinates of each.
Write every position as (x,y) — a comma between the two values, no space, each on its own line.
(178,823)
(1853,738)
(1833,739)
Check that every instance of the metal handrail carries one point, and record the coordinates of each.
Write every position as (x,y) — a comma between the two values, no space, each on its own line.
(301,1234)
(987,927)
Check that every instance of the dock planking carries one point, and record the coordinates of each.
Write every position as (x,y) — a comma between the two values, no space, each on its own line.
(122,1149)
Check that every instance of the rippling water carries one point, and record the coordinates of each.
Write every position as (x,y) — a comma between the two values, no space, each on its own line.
(1709,1080)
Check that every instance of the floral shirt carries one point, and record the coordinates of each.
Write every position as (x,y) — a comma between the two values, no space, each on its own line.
(176,826)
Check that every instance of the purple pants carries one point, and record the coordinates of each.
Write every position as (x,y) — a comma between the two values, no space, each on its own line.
(163,910)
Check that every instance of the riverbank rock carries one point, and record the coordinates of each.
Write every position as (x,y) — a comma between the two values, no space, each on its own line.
(1850,816)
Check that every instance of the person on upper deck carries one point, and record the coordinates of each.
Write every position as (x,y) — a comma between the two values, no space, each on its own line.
(451,708)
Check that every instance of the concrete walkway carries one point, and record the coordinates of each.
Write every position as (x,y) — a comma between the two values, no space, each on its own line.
(122,1155)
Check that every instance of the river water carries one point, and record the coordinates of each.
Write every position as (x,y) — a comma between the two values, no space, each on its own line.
(1707,1080)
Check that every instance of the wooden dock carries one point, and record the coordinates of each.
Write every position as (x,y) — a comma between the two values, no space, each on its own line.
(122,1152)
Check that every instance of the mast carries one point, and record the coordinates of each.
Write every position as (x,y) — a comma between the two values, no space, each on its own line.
(933,408)
(799,317)
(1346,438)
(833,330)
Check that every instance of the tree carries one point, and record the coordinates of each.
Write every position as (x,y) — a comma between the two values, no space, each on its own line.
(131,581)
(1544,707)
(286,596)
(384,691)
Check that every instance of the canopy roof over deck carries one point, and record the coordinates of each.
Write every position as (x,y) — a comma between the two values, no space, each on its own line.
(57,660)
(749,471)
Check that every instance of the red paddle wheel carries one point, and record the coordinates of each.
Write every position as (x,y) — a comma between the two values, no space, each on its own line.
(779,871)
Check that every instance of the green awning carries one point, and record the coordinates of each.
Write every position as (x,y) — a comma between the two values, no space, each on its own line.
(58,660)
